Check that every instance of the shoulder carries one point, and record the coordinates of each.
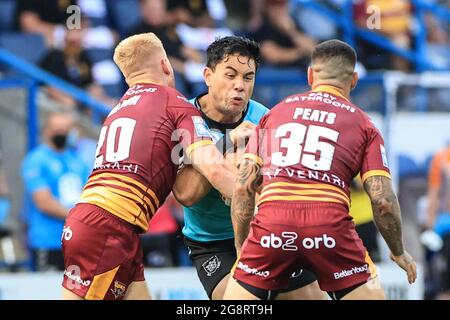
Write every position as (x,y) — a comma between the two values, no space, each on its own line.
(176,99)
(37,154)
(38,157)
(255,111)
(365,121)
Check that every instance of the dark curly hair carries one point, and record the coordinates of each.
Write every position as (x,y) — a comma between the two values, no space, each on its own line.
(221,48)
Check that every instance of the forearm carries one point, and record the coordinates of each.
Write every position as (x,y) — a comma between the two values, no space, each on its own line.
(211,164)
(233,159)
(243,201)
(387,218)
(223,180)
(273,53)
(242,210)
(190,186)
(30,22)
(386,212)
(49,205)
(55,209)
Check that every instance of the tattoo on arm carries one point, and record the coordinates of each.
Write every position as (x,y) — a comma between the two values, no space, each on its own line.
(243,202)
(386,211)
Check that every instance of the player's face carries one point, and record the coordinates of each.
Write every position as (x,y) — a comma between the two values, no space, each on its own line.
(231,83)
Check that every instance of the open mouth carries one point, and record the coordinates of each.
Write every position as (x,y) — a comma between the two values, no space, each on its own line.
(237,100)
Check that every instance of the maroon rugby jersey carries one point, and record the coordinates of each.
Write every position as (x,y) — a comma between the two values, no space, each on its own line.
(134,170)
(311,145)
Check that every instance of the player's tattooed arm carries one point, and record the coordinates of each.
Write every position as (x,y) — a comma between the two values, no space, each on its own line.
(248,180)
(386,211)
(387,217)
(190,186)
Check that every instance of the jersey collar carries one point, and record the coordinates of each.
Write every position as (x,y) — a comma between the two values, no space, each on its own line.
(329,89)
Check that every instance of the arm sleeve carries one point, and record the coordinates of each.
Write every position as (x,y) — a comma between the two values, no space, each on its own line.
(374,158)
(192,130)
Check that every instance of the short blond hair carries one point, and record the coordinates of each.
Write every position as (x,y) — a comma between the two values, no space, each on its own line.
(132,53)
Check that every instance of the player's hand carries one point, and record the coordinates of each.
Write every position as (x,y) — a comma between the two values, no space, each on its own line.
(240,134)
(407,263)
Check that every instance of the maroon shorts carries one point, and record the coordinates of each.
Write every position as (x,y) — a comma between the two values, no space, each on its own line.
(102,254)
(318,237)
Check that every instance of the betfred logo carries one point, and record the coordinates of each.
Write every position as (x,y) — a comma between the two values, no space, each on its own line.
(316,242)
(286,244)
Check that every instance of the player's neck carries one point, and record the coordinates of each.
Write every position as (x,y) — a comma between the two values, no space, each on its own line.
(339,89)
(145,77)
(207,105)
(135,81)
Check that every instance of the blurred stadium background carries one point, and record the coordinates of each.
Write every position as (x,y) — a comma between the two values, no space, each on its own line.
(404,66)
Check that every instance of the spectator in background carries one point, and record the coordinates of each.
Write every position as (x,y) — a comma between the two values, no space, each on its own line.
(438,213)
(46,17)
(282,42)
(83,144)
(54,176)
(257,12)
(394,23)
(438,41)
(73,65)
(49,18)
(155,19)
(196,27)
(191,12)
(361,211)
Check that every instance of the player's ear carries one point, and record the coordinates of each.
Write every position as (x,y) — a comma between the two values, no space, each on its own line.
(207,73)
(166,66)
(310,76)
(355,79)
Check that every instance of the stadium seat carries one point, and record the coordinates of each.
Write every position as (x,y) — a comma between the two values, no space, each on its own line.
(30,47)
(407,167)
(126,14)
(7,14)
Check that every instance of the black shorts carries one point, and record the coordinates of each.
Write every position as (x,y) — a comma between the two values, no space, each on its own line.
(214,260)
(47,260)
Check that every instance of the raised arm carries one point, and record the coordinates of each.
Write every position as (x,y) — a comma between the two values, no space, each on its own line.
(243,202)
(387,217)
